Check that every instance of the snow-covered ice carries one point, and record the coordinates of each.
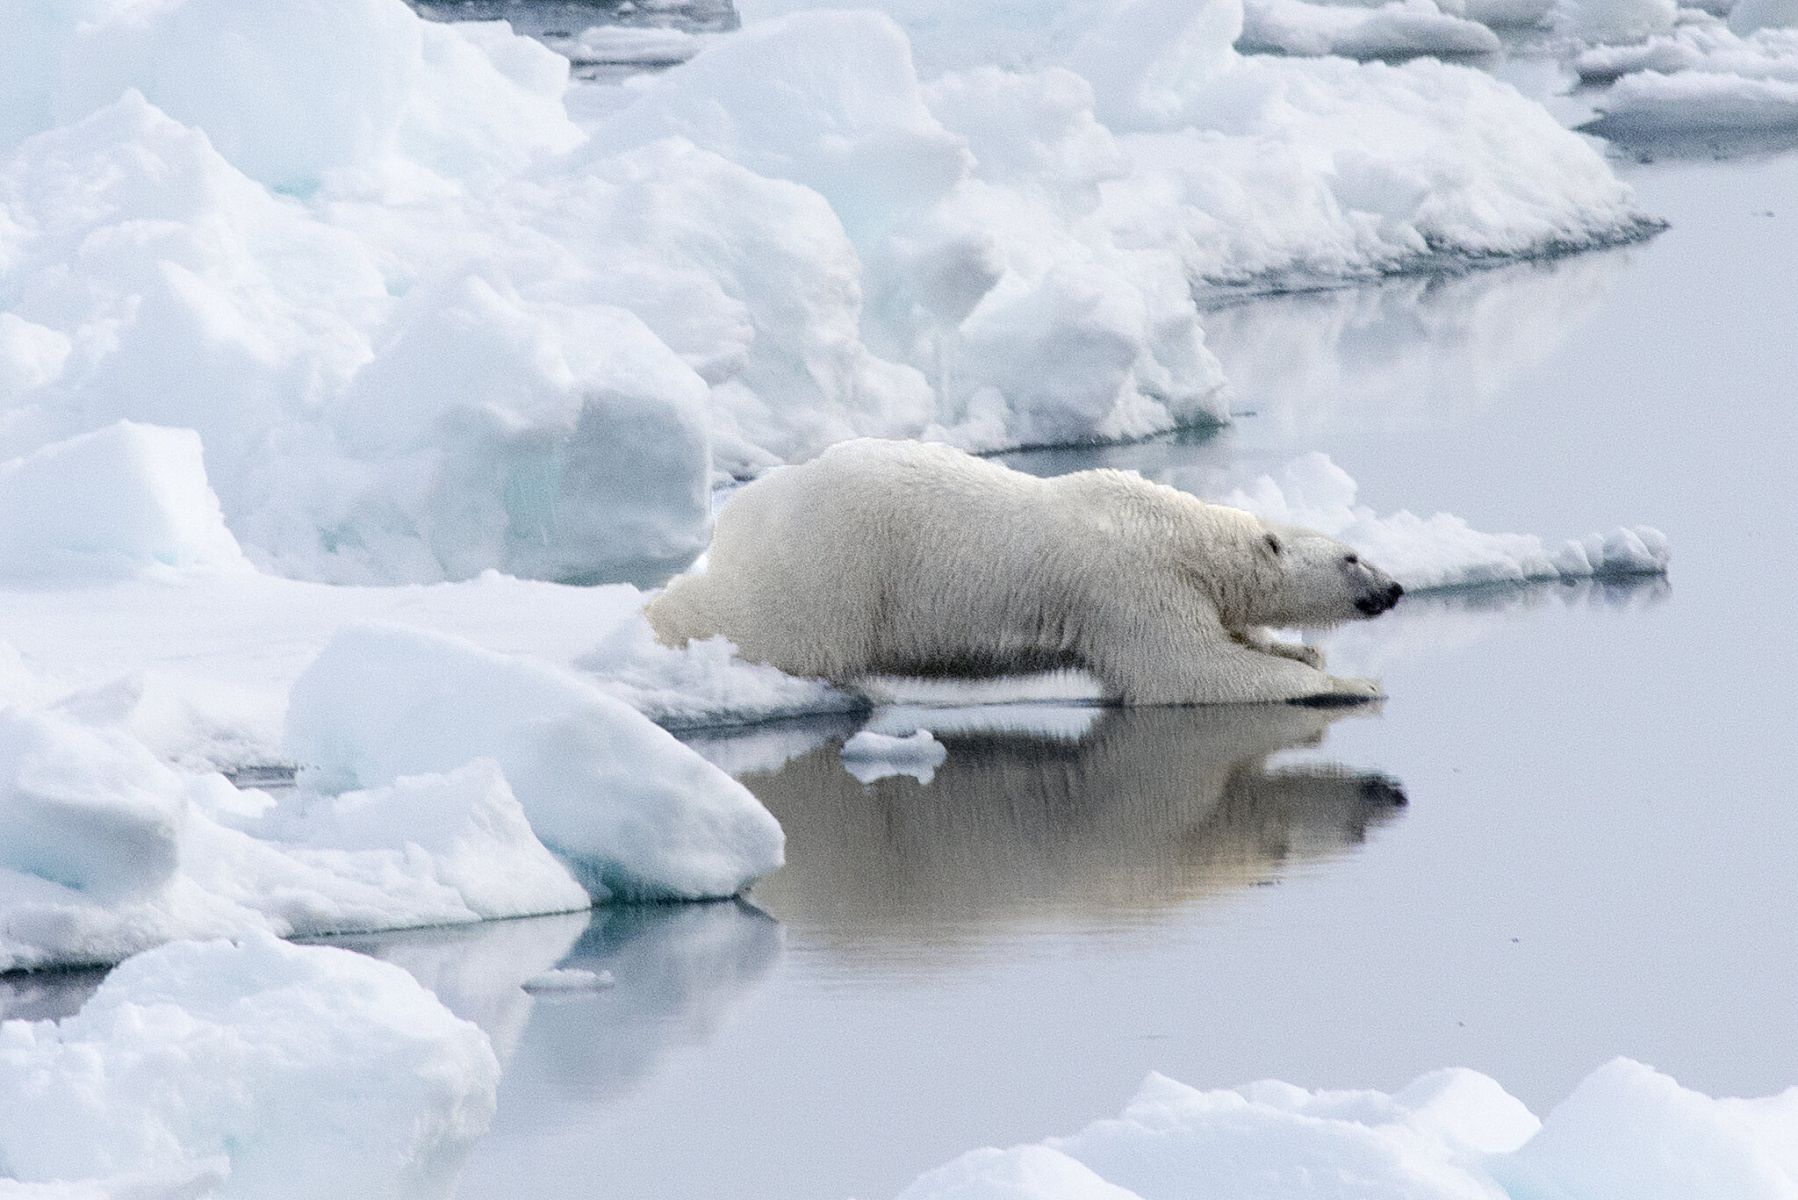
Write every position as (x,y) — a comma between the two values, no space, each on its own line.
(106,851)
(256,1069)
(425,324)
(638,815)
(1702,78)
(437,770)
(870,755)
(1394,30)
(1441,550)
(1705,76)
(1697,102)
(120,500)
(1451,1135)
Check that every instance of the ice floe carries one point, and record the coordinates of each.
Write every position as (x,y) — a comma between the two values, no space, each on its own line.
(637,815)
(424,323)
(561,980)
(1395,30)
(208,1068)
(1441,550)
(438,778)
(122,499)
(108,851)
(1451,1135)
(870,755)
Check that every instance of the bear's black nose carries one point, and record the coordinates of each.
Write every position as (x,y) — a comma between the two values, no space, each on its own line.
(1380,790)
(1375,603)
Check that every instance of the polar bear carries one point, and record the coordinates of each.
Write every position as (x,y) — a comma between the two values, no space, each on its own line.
(904,558)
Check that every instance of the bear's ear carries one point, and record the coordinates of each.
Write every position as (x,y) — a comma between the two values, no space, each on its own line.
(1274,545)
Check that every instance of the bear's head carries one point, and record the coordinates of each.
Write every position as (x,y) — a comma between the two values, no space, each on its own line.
(1318,581)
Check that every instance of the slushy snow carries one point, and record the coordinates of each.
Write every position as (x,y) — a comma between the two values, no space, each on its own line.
(256,1069)
(1451,1135)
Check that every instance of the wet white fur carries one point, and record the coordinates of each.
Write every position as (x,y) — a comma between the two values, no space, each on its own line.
(892,557)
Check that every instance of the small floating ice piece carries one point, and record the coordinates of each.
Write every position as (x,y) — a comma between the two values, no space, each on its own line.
(870,756)
(569,979)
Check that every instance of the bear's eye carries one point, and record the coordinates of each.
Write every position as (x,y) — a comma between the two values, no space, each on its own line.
(1273,543)
(1351,558)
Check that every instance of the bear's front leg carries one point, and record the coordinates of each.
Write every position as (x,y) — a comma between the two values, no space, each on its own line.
(1198,661)
(1260,639)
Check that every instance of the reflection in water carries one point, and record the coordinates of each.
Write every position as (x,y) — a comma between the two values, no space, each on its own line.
(1399,353)
(677,970)
(1645,142)
(1429,624)
(1149,809)
(744,749)
(479,971)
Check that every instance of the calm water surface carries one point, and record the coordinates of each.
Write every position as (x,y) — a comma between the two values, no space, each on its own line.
(1596,856)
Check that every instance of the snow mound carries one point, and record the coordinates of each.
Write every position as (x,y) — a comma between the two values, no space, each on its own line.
(870,756)
(637,814)
(1402,29)
(1700,79)
(1440,551)
(312,91)
(1651,104)
(105,851)
(1451,1135)
(1029,239)
(115,501)
(1687,48)
(207,1065)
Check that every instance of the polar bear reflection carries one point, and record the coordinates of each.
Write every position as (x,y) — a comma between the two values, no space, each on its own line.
(1149,809)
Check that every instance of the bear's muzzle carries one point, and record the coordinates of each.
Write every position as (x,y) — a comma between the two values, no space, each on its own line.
(1375,603)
